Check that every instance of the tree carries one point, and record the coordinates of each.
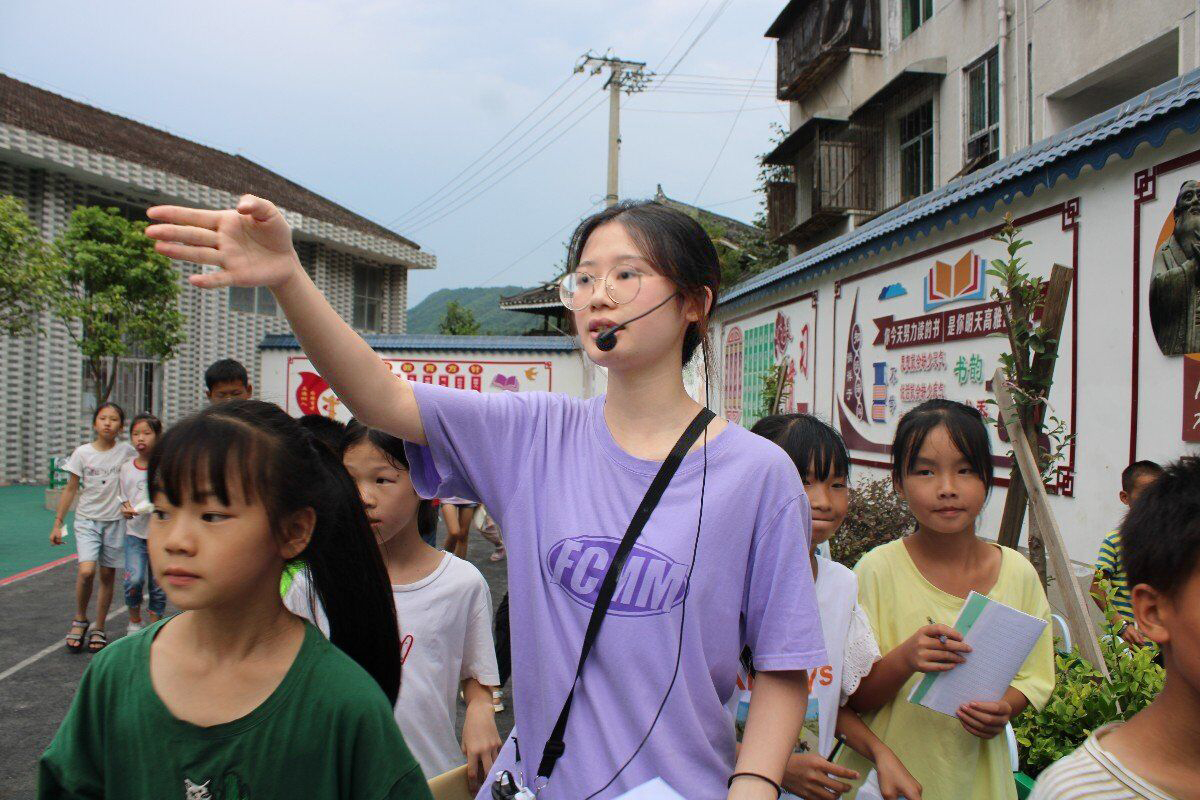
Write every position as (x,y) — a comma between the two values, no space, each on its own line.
(114,294)
(1033,315)
(746,257)
(24,270)
(458,321)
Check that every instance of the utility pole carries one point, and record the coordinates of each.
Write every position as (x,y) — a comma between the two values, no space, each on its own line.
(622,74)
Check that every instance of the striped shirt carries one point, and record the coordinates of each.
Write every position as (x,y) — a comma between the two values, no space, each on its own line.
(1108,564)
(1091,773)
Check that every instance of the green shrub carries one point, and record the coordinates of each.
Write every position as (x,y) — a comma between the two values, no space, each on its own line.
(1083,701)
(877,515)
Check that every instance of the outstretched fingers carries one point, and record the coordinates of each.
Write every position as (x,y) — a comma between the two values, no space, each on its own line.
(183,252)
(183,234)
(179,215)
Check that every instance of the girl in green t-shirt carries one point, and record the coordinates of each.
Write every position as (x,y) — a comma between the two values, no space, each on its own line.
(236,698)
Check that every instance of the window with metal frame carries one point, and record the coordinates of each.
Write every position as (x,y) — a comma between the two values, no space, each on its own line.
(368,298)
(916,151)
(983,113)
(252,300)
(138,387)
(914,13)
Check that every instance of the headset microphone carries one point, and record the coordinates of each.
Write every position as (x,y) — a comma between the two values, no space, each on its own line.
(608,340)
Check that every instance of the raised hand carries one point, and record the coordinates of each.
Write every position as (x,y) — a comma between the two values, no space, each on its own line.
(252,244)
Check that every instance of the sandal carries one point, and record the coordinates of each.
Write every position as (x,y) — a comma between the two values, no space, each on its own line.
(75,640)
(97,641)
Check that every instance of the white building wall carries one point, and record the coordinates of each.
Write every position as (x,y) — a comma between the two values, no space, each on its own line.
(1101,226)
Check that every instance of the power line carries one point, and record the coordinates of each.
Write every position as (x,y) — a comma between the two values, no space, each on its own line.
(715,111)
(486,152)
(682,33)
(708,25)
(573,221)
(483,190)
(437,208)
(723,78)
(733,125)
(425,205)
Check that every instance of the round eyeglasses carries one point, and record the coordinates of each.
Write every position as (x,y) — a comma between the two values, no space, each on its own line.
(575,289)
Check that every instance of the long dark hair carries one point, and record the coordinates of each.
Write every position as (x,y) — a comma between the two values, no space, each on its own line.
(815,448)
(393,450)
(675,245)
(967,431)
(281,465)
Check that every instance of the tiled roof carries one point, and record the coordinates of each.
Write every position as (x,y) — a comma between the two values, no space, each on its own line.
(41,111)
(539,297)
(1149,117)
(427,342)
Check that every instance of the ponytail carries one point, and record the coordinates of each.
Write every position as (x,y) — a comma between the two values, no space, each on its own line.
(349,578)
(276,462)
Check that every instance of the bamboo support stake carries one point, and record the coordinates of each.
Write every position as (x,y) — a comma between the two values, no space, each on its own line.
(1079,620)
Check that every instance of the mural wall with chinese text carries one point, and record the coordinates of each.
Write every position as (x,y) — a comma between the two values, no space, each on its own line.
(782,337)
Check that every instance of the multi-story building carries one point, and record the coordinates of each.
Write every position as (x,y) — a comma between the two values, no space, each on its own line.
(891,99)
(57,154)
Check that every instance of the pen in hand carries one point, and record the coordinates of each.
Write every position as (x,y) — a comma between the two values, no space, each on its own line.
(941,638)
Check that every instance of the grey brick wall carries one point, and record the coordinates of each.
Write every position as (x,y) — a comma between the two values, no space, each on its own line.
(45,415)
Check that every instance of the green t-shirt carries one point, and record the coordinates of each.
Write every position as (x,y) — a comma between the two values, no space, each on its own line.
(327,731)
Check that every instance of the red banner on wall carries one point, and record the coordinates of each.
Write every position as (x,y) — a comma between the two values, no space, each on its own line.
(972,322)
(1191,398)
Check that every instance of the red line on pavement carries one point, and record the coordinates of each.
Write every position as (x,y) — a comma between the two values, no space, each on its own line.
(34,571)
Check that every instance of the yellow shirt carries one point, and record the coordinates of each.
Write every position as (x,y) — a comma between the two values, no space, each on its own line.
(949,763)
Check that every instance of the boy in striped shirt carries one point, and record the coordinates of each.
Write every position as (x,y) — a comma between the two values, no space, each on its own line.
(1134,479)
(1156,754)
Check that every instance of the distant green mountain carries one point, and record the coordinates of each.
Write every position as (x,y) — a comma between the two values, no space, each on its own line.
(484,303)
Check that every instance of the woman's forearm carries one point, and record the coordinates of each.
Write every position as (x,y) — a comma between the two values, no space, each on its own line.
(773,722)
(343,358)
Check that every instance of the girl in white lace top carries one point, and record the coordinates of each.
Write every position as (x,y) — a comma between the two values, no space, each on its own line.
(823,463)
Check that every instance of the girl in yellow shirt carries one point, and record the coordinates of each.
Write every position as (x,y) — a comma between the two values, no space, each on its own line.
(942,466)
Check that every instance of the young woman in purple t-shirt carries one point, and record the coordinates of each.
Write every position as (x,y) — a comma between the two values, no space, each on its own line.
(563,477)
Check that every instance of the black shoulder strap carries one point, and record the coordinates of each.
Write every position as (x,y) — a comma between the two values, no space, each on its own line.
(555,745)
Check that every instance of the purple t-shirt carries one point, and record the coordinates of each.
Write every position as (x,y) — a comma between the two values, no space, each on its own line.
(564,492)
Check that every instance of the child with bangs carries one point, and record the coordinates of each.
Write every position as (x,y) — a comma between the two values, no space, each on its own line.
(823,463)
(442,604)
(236,697)
(942,467)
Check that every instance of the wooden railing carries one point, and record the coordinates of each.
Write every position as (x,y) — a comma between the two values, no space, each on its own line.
(781,208)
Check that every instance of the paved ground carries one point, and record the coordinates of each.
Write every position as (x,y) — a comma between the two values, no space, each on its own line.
(38,676)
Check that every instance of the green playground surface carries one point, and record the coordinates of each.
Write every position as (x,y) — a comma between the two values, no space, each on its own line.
(25,531)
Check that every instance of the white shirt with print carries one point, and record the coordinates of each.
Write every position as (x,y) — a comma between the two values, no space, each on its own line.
(134,491)
(445,637)
(99,474)
(852,651)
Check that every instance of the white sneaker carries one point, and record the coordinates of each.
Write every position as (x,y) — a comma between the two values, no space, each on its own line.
(497,700)
(134,627)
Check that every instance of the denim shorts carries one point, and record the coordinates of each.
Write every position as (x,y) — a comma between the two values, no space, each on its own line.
(100,540)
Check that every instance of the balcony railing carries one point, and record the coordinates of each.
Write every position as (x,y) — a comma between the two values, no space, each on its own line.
(847,175)
(815,35)
(781,208)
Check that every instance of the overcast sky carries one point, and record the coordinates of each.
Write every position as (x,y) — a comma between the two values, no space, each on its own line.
(376,105)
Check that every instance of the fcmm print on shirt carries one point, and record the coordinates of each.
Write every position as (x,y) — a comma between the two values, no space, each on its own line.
(564,493)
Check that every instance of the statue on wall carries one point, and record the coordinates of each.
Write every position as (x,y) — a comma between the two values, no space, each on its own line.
(1174,288)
